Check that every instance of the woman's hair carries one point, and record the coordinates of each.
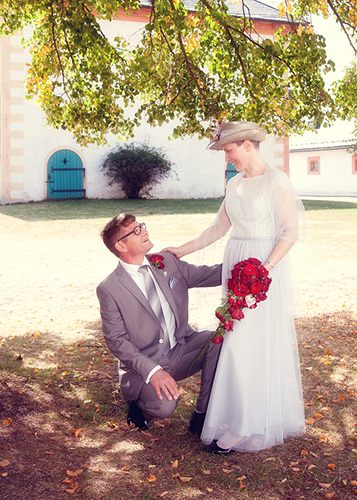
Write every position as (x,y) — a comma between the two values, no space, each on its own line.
(256,144)
(111,232)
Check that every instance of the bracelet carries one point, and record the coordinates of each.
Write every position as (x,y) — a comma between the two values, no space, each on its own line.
(272,265)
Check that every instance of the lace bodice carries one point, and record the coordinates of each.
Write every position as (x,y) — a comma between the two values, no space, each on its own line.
(250,206)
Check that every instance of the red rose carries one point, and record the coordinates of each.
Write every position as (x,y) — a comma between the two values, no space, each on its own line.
(220,317)
(218,340)
(250,270)
(228,326)
(255,262)
(157,261)
(261,297)
(263,272)
(237,314)
(256,287)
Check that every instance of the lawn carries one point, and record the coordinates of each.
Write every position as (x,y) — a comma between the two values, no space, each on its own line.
(63,430)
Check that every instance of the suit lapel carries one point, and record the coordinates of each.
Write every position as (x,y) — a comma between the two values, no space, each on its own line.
(127,281)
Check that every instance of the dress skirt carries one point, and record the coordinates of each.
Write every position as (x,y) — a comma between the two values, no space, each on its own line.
(256,398)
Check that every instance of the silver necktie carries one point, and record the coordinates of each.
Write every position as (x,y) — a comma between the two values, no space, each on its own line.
(155,303)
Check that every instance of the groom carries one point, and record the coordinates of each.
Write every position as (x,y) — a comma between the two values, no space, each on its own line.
(144,310)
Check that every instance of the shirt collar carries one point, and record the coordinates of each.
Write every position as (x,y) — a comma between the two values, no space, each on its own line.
(133,269)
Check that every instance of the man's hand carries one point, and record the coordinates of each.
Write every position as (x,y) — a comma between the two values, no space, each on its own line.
(162,381)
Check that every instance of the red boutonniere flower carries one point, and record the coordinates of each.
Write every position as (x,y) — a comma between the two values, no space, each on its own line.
(157,261)
(248,285)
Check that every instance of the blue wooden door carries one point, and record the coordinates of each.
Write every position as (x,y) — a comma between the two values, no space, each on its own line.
(65,174)
(230,172)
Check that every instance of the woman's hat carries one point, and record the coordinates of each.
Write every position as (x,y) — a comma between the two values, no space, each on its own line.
(236,131)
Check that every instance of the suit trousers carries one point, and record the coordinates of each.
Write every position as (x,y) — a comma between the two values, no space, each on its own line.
(180,364)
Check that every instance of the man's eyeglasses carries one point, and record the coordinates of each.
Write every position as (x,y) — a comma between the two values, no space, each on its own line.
(137,230)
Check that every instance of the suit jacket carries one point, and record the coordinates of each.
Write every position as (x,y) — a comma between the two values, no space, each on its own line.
(130,327)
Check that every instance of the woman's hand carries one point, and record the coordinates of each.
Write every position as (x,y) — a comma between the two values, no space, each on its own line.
(176,251)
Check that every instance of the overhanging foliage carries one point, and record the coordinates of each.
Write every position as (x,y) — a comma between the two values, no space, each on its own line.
(198,67)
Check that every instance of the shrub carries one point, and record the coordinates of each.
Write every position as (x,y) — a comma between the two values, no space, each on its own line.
(137,168)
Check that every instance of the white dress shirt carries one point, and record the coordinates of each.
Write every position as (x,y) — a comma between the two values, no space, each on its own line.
(133,270)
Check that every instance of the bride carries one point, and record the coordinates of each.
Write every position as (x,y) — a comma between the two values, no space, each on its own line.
(256,399)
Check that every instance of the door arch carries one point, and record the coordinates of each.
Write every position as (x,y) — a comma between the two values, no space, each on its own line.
(65,175)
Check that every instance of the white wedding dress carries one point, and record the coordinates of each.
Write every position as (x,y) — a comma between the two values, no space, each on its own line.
(256,398)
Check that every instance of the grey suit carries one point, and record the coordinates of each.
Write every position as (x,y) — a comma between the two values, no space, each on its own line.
(134,335)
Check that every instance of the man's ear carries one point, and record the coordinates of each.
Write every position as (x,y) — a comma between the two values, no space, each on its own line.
(120,247)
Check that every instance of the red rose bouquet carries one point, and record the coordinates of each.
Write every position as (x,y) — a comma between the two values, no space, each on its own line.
(248,285)
(157,261)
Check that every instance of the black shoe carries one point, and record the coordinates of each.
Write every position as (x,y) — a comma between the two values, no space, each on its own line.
(217,450)
(196,422)
(136,417)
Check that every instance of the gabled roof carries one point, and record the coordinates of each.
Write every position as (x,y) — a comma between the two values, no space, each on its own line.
(250,8)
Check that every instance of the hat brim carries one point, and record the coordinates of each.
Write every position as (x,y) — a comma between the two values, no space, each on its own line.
(252,135)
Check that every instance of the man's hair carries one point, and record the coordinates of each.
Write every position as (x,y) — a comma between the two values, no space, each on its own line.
(111,232)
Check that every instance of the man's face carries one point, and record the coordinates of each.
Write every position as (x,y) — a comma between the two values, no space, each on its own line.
(134,246)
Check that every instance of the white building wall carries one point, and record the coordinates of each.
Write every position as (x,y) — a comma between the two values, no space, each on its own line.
(198,173)
(335,177)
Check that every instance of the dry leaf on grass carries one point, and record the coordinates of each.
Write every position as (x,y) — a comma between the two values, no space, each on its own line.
(174,464)
(76,431)
(7,421)
(151,478)
(4,463)
(310,420)
(330,495)
(318,416)
(163,494)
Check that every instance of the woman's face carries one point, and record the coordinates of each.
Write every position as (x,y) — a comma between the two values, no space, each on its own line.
(234,154)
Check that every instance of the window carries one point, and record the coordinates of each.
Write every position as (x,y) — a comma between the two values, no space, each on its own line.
(313,165)
(354,165)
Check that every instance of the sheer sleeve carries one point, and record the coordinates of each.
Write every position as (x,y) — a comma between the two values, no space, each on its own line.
(289,210)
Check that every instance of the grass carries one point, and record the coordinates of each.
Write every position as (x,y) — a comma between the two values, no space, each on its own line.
(98,209)
(63,421)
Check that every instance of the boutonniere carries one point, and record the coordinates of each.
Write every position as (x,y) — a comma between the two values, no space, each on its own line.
(157,261)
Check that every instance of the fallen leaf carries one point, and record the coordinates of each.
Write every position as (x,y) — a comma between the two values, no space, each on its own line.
(49,452)
(163,494)
(241,485)
(72,490)
(311,466)
(325,485)
(353,483)
(331,466)
(174,464)
(241,478)
(310,420)
(4,474)
(318,416)
(227,471)
(20,391)
(95,469)
(206,471)
(270,459)
(185,479)
(209,490)
(7,421)
(293,463)
(76,431)
(295,469)
(65,414)
(4,463)
(304,452)
(151,478)
(330,495)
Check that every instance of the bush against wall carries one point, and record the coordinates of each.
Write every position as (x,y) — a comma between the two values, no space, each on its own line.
(137,167)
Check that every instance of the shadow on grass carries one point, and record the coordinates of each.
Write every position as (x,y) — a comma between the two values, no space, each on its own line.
(97,209)
(51,390)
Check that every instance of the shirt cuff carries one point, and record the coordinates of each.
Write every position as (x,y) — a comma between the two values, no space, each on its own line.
(154,370)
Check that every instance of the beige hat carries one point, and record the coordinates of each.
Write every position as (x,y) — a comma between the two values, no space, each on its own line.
(237,131)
